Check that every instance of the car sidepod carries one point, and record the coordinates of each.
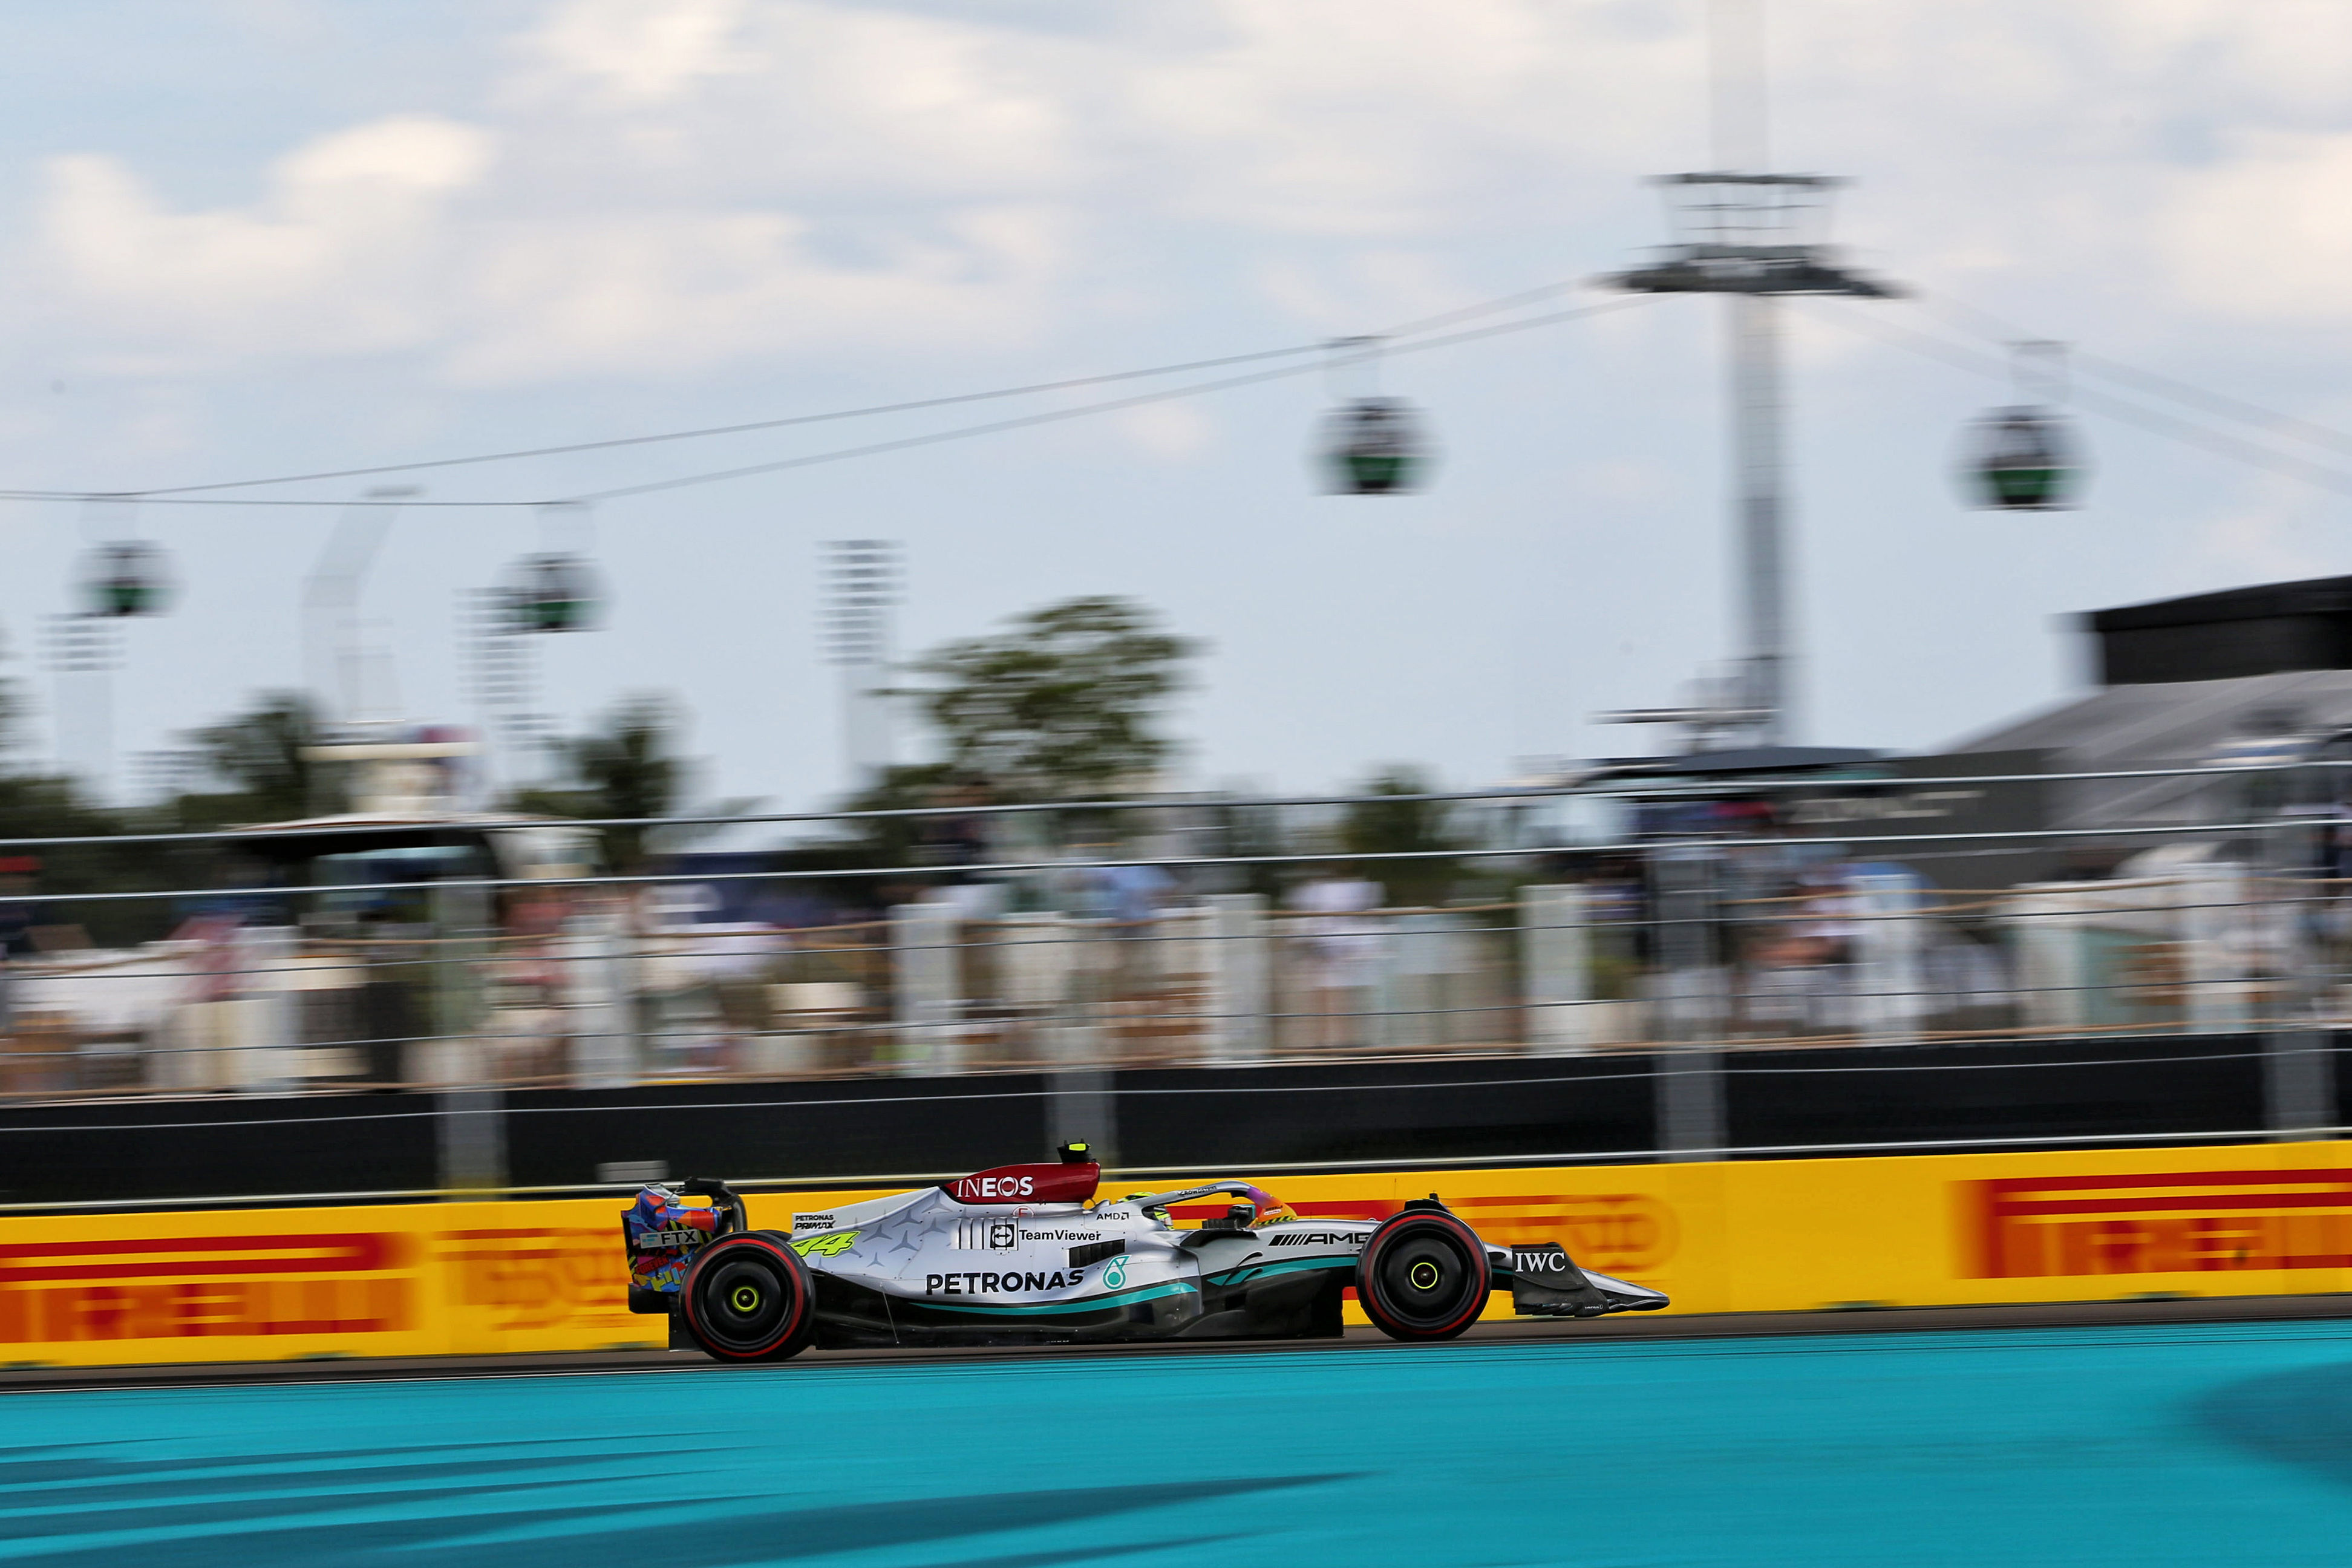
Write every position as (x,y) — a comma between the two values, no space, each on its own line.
(1276,1282)
(931,1270)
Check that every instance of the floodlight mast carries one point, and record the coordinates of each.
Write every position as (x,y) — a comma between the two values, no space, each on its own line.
(1753,237)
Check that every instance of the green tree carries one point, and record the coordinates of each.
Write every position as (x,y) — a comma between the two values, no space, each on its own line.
(627,766)
(1062,704)
(1387,826)
(39,803)
(262,755)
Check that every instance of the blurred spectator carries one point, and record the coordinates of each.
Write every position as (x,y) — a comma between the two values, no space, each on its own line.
(1134,894)
(1822,922)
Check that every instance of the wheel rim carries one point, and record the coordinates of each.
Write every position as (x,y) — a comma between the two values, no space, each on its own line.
(743,1301)
(1423,1277)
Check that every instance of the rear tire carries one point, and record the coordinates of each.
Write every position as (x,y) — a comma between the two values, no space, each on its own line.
(748,1298)
(1423,1275)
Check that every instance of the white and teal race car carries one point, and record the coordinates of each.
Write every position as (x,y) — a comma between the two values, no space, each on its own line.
(1025,1255)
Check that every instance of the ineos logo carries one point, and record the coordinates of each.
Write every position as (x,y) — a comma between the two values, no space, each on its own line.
(971,1188)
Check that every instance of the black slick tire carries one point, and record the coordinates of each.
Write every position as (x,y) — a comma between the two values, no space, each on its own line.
(1423,1275)
(748,1298)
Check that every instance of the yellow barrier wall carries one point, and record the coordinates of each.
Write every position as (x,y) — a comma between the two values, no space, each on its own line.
(487,1278)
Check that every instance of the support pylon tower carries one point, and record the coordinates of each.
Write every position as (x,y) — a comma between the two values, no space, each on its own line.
(1755,238)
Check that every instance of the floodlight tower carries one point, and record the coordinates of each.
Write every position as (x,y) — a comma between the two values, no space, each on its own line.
(862,577)
(334,659)
(1755,238)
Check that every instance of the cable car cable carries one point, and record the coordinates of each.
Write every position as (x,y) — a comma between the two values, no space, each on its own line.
(1489,306)
(2220,403)
(1524,323)
(2152,420)
(612,443)
(1053,416)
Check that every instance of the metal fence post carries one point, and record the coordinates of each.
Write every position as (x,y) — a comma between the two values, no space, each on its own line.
(472,1128)
(2298,1057)
(1888,978)
(1690,1108)
(598,1004)
(264,1010)
(923,986)
(1241,971)
(2051,955)
(1081,1105)
(2213,900)
(1556,969)
(1691,1121)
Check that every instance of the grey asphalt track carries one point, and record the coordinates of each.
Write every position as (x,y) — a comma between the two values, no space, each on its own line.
(1684,1326)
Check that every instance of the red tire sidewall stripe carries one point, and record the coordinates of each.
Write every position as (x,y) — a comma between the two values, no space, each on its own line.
(1469,1239)
(798,1276)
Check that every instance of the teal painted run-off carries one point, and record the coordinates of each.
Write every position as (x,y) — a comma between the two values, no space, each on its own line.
(2213,1444)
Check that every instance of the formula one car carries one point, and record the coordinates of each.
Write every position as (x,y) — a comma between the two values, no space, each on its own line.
(1023,1255)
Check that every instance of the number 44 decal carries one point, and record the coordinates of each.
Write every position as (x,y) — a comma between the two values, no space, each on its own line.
(824,1246)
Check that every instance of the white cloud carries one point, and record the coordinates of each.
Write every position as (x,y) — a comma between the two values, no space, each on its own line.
(661,188)
(2266,233)
(637,54)
(610,293)
(338,255)
(1169,432)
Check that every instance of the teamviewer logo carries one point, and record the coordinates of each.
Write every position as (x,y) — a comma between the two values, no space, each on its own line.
(988,1235)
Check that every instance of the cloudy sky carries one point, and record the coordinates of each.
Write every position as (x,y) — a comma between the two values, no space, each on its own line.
(257,237)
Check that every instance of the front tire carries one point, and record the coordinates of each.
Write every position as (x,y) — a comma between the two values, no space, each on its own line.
(747,1298)
(1423,1275)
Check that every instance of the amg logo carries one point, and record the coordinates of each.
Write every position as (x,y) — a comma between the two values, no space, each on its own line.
(802,1222)
(991,1284)
(1320,1238)
(2161,1223)
(987,1236)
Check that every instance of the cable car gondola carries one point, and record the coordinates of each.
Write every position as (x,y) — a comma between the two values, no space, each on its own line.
(126,577)
(1372,444)
(554,592)
(2024,459)
(1375,448)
